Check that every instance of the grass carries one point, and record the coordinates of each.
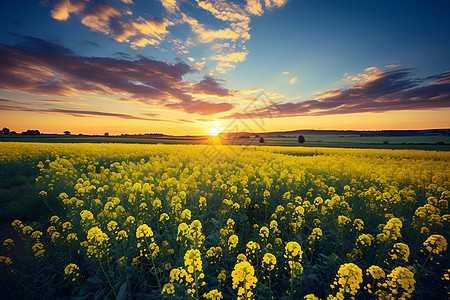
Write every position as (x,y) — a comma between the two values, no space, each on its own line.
(440,143)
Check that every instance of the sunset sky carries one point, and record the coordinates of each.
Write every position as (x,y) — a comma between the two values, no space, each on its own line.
(188,67)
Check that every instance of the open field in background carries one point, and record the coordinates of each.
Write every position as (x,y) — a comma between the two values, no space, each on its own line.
(439,142)
(193,221)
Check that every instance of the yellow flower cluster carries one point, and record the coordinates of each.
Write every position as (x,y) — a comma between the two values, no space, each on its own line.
(214,254)
(315,235)
(244,280)
(232,242)
(293,256)
(71,272)
(5,259)
(348,279)
(269,262)
(168,289)
(97,242)
(403,278)
(399,251)
(213,295)
(391,231)
(435,244)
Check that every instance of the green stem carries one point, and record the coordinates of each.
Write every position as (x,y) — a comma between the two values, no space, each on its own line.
(426,260)
(107,277)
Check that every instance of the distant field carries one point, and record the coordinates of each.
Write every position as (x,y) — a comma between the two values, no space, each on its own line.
(441,143)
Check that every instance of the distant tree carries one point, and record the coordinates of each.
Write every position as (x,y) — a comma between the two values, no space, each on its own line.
(31,132)
(5,130)
(261,140)
(257,136)
(106,134)
(301,139)
(67,132)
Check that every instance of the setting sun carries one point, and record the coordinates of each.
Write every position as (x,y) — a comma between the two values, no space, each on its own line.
(214,131)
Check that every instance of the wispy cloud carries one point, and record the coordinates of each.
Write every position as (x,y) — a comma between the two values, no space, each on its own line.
(388,90)
(293,80)
(42,68)
(82,113)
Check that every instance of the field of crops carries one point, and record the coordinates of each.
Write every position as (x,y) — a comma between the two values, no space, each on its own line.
(229,222)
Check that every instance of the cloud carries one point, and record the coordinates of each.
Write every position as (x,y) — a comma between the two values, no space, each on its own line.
(231,57)
(201,107)
(99,18)
(285,73)
(81,113)
(209,35)
(224,10)
(40,67)
(387,91)
(64,8)
(107,18)
(254,7)
(170,5)
(275,3)
(293,80)
(147,31)
(209,86)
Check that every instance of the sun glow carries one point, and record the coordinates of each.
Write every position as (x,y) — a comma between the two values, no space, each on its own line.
(214,131)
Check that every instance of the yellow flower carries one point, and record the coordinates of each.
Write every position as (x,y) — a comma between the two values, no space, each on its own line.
(401,277)
(244,279)
(143,231)
(232,242)
(269,261)
(164,217)
(27,229)
(315,235)
(168,289)
(435,244)
(400,251)
(358,224)
(6,260)
(376,272)
(311,297)
(54,220)
(112,226)
(348,279)
(264,233)
(241,257)
(17,224)
(186,215)
(8,243)
(122,235)
(213,295)
(86,215)
(71,272)
(343,220)
(222,276)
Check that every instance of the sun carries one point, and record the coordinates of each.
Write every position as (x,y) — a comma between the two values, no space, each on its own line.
(214,131)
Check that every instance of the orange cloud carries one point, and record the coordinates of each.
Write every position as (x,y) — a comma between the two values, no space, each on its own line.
(64,8)
(275,3)
(151,31)
(224,10)
(99,18)
(254,7)
(231,57)
(170,5)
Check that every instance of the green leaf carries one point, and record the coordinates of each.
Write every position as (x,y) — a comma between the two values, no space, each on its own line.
(122,295)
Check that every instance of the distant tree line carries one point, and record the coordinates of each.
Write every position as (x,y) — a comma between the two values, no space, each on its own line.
(6,130)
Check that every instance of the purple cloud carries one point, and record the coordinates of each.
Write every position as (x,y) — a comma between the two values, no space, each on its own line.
(388,91)
(41,67)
